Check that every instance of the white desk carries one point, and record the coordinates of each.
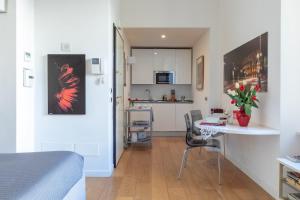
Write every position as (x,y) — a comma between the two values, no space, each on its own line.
(230,129)
(237,130)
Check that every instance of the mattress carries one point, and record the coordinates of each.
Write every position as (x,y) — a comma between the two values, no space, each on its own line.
(40,175)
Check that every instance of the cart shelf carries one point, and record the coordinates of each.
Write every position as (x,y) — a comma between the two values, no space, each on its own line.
(132,128)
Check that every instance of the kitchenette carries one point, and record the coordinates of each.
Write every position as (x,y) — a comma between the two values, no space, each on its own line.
(162,79)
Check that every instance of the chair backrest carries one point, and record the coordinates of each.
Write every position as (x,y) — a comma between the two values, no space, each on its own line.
(196,115)
(189,133)
(187,122)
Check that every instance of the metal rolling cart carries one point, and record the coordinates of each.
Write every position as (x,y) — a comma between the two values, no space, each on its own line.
(138,131)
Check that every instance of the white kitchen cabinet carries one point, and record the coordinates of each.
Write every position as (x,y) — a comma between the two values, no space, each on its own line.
(164,59)
(167,116)
(150,60)
(181,110)
(164,117)
(183,66)
(142,69)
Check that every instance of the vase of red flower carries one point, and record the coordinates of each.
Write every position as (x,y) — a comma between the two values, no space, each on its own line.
(244,97)
(243,118)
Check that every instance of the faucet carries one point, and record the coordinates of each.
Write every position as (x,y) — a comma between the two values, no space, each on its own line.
(148,91)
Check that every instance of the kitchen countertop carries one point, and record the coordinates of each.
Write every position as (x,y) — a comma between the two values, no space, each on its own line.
(161,101)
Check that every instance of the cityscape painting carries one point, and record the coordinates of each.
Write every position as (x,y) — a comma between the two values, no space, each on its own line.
(249,63)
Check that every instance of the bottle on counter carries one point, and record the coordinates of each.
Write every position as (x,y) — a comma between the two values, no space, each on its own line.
(173,95)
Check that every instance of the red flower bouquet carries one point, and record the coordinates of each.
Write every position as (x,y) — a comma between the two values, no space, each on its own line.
(244,97)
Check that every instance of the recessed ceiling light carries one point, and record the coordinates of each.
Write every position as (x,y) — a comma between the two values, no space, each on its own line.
(163,36)
(155,53)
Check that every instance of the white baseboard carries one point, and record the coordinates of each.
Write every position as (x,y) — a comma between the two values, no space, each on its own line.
(98,173)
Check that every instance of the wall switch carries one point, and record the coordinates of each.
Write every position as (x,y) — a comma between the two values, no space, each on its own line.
(65,47)
(27,77)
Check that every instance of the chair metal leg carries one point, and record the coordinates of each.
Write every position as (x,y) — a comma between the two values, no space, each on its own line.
(183,162)
(219,168)
(200,151)
(186,157)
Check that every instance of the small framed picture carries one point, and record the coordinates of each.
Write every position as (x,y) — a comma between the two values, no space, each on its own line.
(27,56)
(3,6)
(200,73)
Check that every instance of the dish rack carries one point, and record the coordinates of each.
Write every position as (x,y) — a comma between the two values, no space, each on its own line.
(138,131)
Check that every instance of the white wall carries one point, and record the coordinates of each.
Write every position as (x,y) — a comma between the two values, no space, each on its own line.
(8,79)
(16,131)
(290,70)
(87,26)
(201,48)
(179,14)
(168,13)
(242,21)
(25,96)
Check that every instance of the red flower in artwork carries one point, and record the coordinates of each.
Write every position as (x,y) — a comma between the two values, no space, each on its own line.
(233,101)
(257,88)
(69,88)
(253,98)
(242,88)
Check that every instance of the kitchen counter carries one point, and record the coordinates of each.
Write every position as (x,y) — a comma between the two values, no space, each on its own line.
(161,101)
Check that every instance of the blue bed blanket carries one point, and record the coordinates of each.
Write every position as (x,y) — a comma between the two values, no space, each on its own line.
(39,176)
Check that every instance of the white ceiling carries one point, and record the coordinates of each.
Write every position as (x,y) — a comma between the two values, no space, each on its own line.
(175,37)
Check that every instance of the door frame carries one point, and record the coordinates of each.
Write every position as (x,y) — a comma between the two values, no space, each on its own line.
(114,95)
(114,90)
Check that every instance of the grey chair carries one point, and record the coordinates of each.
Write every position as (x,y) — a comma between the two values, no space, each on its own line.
(196,116)
(192,142)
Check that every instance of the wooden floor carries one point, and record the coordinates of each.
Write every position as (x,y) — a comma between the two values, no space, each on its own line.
(150,174)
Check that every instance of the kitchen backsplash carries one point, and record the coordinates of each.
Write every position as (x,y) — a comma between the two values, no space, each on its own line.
(138,91)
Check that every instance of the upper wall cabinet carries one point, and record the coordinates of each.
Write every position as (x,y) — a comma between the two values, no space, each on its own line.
(150,60)
(164,60)
(183,66)
(142,70)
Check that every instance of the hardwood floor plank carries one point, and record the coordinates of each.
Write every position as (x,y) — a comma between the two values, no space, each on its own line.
(151,174)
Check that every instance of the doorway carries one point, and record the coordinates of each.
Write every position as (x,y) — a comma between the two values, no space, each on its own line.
(118,95)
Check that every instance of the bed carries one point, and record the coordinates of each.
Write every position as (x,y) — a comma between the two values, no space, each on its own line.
(42,176)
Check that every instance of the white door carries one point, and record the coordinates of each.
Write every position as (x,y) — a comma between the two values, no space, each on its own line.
(119,95)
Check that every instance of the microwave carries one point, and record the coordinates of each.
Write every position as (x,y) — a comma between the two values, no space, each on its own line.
(164,77)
